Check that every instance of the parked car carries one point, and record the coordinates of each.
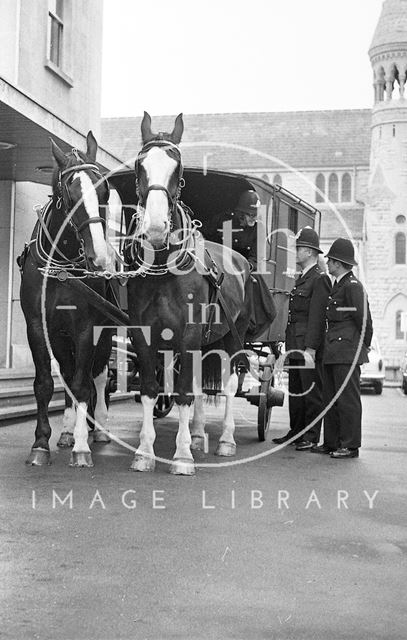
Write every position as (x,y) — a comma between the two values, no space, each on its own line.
(404,374)
(372,373)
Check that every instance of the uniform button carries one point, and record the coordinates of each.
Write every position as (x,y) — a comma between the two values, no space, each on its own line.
(327,308)
(339,338)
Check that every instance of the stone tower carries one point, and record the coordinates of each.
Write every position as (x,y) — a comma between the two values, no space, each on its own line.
(386,208)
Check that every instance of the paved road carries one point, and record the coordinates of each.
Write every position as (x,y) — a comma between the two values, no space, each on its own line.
(261,550)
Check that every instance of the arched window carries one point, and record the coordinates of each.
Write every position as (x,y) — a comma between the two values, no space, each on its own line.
(333,187)
(320,184)
(399,332)
(346,189)
(400,219)
(400,248)
(277,179)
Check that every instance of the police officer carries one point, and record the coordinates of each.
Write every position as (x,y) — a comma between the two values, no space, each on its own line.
(304,342)
(242,234)
(348,337)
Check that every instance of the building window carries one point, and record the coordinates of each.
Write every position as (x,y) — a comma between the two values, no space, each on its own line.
(320,188)
(277,179)
(394,131)
(400,248)
(399,332)
(346,188)
(400,219)
(55,31)
(333,187)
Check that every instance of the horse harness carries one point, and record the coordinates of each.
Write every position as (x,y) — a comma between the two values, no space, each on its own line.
(61,267)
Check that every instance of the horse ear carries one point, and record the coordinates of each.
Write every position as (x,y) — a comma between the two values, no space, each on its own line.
(92,146)
(178,130)
(146,133)
(58,154)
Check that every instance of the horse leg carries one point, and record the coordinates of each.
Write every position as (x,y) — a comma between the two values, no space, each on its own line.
(101,433)
(227,444)
(197,428)
(81,388)
(100,371)
(183,461)
(62,349)
(43,390)
(144,459)
(66,439)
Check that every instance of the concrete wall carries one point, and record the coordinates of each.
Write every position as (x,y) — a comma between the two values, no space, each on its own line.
(73,92)
(6,188)
(26,196)
(9,16)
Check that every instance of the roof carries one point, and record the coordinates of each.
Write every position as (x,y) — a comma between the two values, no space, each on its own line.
(391,28)
(332,225)
(301,139)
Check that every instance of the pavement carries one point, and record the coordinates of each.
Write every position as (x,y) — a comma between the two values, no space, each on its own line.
(288,545)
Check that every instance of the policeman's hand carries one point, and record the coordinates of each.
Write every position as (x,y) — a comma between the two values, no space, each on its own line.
(309,356)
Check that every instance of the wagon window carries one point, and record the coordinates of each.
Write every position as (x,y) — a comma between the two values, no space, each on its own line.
(293,220)
(320,187)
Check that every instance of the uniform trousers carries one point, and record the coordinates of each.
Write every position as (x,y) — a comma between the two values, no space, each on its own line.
(343,420)
(305,398)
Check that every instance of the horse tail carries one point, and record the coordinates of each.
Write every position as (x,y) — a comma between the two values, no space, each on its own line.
(212,366)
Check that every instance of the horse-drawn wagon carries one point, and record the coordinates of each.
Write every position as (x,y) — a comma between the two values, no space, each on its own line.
(209,194)
(188,303)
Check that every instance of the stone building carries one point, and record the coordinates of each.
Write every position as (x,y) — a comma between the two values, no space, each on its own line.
(351,164)
(386,208)
(50,80)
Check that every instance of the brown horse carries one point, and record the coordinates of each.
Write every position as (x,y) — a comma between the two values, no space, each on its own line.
(170,302)
(68,240)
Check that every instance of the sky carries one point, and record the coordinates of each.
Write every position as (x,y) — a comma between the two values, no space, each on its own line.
(218,56)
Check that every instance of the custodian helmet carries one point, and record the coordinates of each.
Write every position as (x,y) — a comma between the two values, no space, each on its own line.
(342,250)
(248,203)
(307,237)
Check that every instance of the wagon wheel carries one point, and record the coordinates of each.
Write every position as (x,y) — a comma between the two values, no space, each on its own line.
(165,402)
(264,412)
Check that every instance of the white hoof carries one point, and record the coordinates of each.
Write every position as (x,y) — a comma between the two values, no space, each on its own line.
(81,459)
(142,463)
(101,436)
(182,467)
(197,443)
(66,440)
(226,449)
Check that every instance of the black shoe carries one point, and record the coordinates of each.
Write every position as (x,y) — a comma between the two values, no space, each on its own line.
(304,445)
(320,448)
(344,452)
(282,439)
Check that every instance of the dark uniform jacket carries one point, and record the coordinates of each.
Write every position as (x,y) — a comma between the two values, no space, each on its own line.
(306,312)
(347,307)
(244,240)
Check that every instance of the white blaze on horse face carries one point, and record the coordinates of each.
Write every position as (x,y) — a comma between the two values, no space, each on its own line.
(159,168)
(91,204)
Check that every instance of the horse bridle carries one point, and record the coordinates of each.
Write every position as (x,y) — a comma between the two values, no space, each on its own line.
(172,199)
(64,197)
